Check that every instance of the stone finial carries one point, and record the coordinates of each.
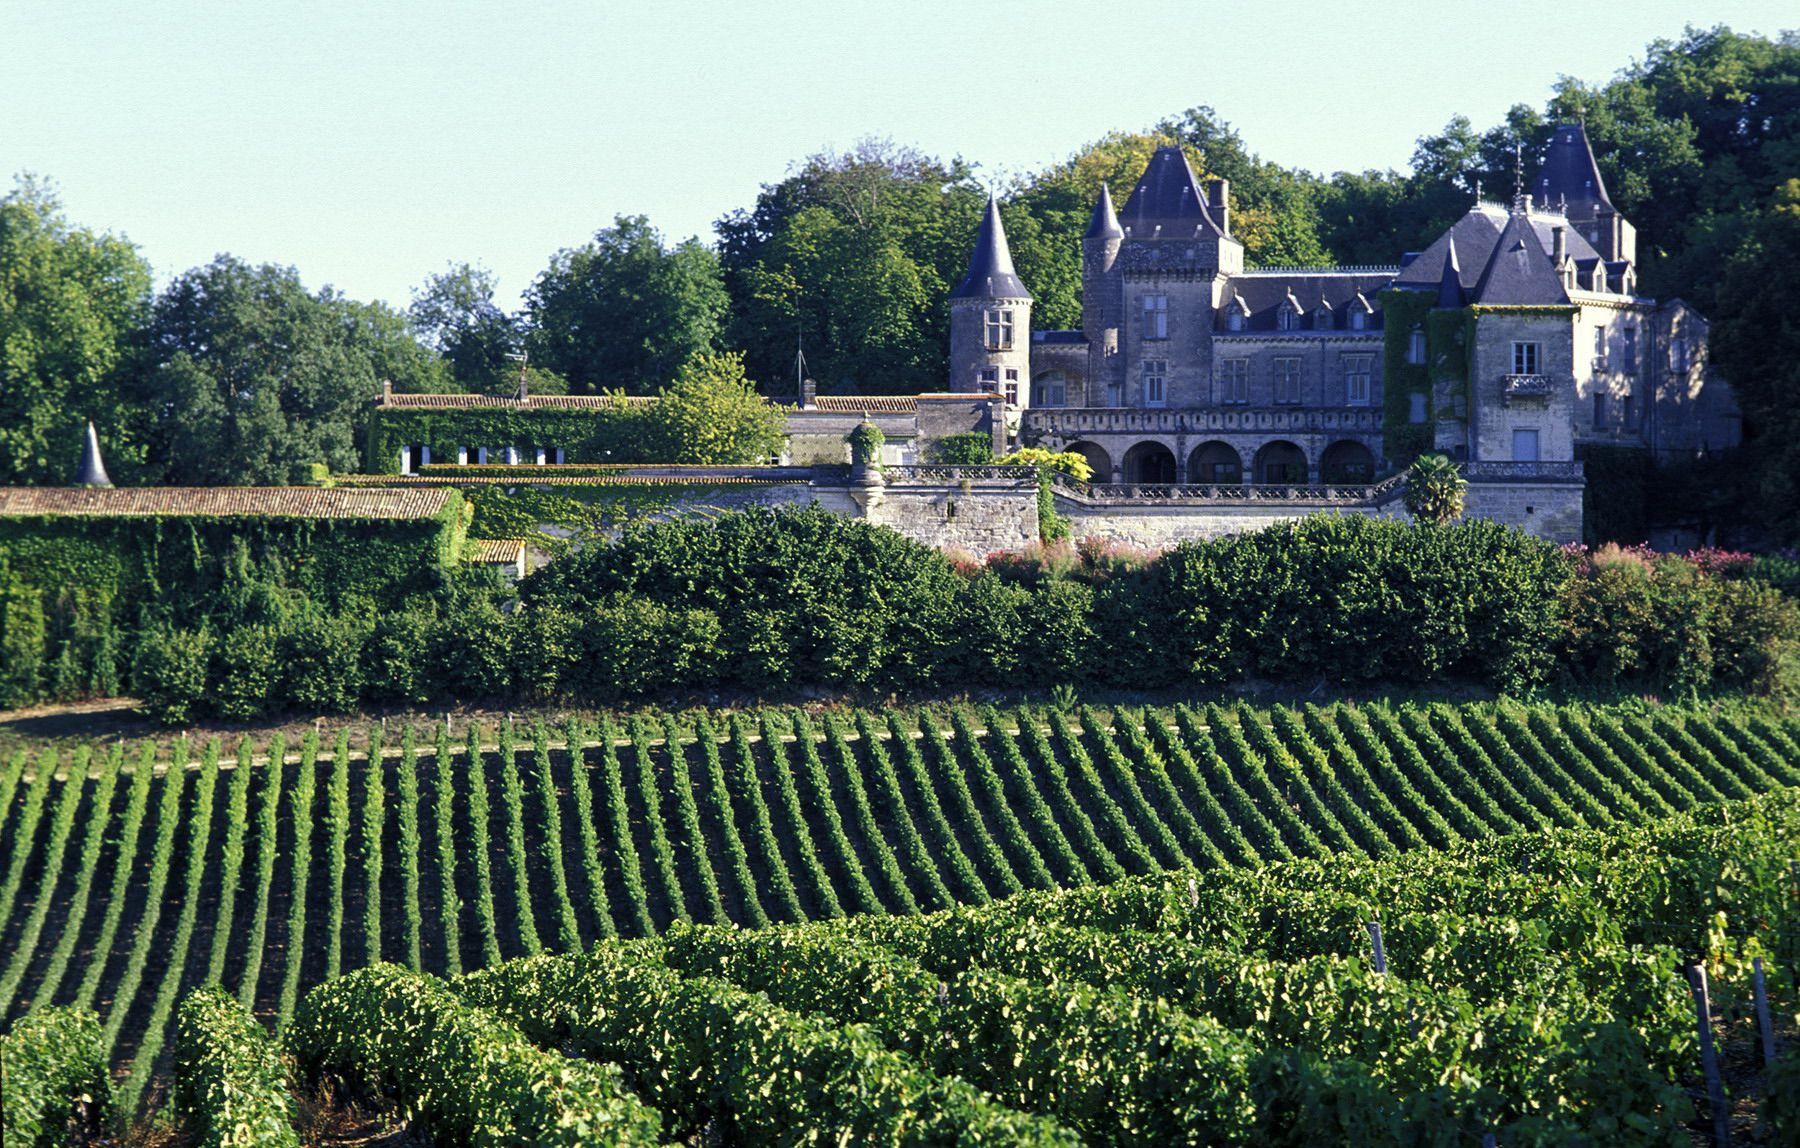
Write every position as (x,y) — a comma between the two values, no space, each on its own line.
(93,467)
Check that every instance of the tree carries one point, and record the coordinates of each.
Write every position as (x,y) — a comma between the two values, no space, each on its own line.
(712,415)
(454,314)
(624,312)
(71,303)
(1435,490)
(253,379)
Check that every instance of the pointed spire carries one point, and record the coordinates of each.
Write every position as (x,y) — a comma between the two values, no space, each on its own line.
(1519,272)
(1105,221)
(93,467)
(1569,172)
(991,274)
(1450,288)
(1167,202)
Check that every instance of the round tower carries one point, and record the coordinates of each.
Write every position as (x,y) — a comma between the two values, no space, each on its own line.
(1101,295)
(990,320)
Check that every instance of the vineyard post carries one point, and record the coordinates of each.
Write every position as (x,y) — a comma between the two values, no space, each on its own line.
(1763,1022)
(1709,1057)
(1374,928)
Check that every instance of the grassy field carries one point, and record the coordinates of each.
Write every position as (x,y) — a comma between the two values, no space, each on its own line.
(129,877)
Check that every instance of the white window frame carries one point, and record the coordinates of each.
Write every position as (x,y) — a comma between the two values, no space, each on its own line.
(1415,347)
(1156,316)
(1285,371)
(1359,385)
(997,328)
(988,380)
(1527,358)
(1011,387)
(1156,383)
(1234,381)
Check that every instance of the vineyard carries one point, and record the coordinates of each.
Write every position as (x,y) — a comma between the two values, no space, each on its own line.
(127,881)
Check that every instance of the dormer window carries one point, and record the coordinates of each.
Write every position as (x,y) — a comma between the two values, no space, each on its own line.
(1359,320)
(1234,320)
(1288,318)
(1322,319)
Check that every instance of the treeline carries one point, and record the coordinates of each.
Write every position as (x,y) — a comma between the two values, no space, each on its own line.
(777,601)
(238,373)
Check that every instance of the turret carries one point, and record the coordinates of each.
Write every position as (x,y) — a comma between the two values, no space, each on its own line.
(93,467)
(1101,296)
(1570,178)
(990,319)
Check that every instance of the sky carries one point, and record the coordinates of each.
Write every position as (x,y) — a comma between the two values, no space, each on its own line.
(372,144)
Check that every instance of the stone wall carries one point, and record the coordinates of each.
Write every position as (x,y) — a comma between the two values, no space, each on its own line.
(980,517)
(1157,527)
(1549,510)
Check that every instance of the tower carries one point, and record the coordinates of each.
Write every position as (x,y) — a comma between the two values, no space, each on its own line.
(1570,180)
(990,320)
(1102,301)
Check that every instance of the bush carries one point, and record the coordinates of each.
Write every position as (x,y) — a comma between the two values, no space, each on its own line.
(54,1065)
(802,596)
(969,448)
(622,649)
(230,1082)
(169,672)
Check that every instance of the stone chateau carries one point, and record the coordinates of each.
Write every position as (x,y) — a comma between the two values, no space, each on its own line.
(1516,336)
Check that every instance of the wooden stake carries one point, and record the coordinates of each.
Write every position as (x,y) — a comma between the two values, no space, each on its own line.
(1709,1057)
(1375,942)
(1763,1022)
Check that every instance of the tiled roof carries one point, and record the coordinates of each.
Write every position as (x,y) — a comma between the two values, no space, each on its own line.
(874,404)
(219,502)
(497,550)
(460,402)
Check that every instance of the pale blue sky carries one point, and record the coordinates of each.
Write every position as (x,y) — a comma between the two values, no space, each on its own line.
(370,144)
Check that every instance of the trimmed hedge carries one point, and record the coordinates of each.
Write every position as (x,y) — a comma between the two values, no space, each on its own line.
(54,1064)
(472,1077)
(231,1084)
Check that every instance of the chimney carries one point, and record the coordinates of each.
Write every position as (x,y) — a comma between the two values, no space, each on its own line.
(809,394)
(1218,202)
(1560,245)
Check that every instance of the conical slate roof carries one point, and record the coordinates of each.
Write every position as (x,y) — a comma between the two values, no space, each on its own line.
(1167,196)
(1105,221)
(1569,171)
(1450,288)
(991,274)
(1519,273)
(93,467)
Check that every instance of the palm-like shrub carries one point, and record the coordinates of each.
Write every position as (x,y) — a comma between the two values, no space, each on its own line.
(1435,490)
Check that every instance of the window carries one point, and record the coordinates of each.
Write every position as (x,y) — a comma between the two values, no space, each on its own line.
(1234,380)
(1050,390)
(1012,387)
(1525,446)
(1322,319)
(1234,320)
(1625,410)
(1599,410)
(1356,380)
(1525,359)
(1415,407)
(1678,359)
(1287,318)
(1415,347)
(1599,348)
(1358,320)
(1287,380)
(990,380)
(1630,351)
(998,329)
(1156,316)
(1155,383)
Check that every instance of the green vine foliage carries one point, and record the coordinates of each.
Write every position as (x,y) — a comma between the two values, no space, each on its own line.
(586,435)
(1402,439)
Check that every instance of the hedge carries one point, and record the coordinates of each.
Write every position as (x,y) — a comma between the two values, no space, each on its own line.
(231,1084)
(471,1076)
(54,1064)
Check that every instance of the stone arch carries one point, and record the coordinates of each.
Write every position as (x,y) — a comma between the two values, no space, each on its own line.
(1347,462)
(1216,462)
(1097,458)
(1150,463)
(1280,463)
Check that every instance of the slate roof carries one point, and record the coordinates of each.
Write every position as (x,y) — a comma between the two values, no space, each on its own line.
(991,274)
(1104,224)
(1476,234)
(1569,171)
(1168,196)
(458,402)
(1262,295)
(1519,272)
(219,502)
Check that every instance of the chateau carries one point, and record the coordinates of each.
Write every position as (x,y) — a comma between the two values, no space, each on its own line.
(1515,337)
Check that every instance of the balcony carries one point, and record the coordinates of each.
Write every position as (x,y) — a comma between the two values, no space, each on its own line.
(1078,422)
(1514,387)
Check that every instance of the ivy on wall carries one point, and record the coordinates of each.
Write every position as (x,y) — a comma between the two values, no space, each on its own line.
(1403,440)
(523,511)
